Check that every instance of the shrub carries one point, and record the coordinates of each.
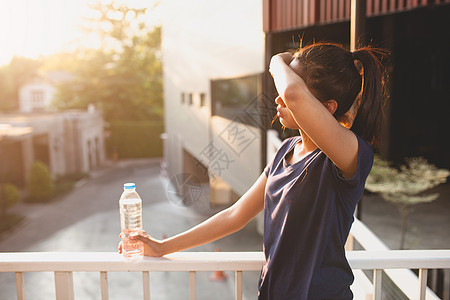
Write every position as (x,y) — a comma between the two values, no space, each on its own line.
(11,193)
(135,139)
(65,184)
(40,184)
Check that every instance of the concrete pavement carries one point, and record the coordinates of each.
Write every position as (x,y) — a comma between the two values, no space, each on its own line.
(427,223)
(88,220)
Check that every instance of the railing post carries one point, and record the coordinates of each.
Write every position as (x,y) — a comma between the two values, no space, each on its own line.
(64,285)
(192,285)
(377,273)
(238,284)
(104,285)
(434,279)
(20,286)
(446,292)
(423,273)
(146,284)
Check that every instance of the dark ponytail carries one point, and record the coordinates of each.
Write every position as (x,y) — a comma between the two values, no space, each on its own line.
(330,72)
(367,122)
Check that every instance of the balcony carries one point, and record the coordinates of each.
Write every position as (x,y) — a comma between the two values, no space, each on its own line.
(395,264)
(378,270)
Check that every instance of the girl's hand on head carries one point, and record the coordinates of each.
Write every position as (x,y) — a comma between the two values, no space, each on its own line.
(288,82)
(285,57)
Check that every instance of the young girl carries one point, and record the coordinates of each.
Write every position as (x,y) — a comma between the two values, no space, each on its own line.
(310,190)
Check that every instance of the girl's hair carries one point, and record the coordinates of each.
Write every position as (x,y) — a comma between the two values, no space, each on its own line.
(331,72)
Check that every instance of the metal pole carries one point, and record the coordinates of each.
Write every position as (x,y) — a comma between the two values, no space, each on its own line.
(357,29)
(357,22)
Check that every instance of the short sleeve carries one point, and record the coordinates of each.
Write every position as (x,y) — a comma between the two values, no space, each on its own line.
(365,161)
(353,188)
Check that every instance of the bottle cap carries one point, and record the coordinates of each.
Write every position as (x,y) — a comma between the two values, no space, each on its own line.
(129,186)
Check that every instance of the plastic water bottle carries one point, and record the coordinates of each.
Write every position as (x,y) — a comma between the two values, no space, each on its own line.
(131,221)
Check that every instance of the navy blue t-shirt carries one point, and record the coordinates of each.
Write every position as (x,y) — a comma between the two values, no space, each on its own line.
(308,212)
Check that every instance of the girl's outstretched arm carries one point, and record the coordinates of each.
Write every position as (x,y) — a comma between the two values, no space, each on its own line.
(313,117)
(221,224)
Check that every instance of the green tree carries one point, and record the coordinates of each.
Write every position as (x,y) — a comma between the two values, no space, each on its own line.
(124,77)
(405,187)
(40,183)
(12,76)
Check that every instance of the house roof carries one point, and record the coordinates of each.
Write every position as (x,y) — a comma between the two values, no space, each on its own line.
(51,77)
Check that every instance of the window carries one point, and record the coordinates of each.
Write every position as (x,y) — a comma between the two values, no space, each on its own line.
(37,98)
(236,98)
(202,99)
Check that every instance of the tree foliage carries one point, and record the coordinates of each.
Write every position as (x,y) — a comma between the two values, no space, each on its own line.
(124,76)
(9,195)
(405,186)
(12,194)
(12,76)
(130,139)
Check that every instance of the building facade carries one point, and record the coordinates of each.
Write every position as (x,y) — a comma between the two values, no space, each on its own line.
(69,142)
(212,64)
(37,94)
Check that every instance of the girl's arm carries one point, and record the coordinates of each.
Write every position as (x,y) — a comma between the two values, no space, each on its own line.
(313,117)
(221,224)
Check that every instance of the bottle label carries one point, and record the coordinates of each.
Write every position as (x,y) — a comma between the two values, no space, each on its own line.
(131,215)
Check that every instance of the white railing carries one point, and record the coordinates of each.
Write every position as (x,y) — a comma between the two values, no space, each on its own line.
(403,278)
(63,264)
(396,264)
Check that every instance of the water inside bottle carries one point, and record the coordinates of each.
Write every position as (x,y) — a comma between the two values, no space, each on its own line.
(130,248)
(131,216)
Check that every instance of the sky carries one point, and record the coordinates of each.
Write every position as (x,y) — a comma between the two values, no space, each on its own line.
(31,28)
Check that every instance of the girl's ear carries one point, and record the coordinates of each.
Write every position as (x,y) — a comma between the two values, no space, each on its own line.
(331,105)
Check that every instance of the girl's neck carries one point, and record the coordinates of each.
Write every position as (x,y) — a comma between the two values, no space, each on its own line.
(307,144)
(302,149)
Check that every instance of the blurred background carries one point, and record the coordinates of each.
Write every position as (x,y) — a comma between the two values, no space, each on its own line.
(176,96)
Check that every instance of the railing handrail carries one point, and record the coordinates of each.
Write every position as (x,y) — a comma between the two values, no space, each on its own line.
(206,261)
(63,264)
(114,262)
(399,259)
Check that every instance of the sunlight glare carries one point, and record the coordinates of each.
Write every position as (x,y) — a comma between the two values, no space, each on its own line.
(32,28)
